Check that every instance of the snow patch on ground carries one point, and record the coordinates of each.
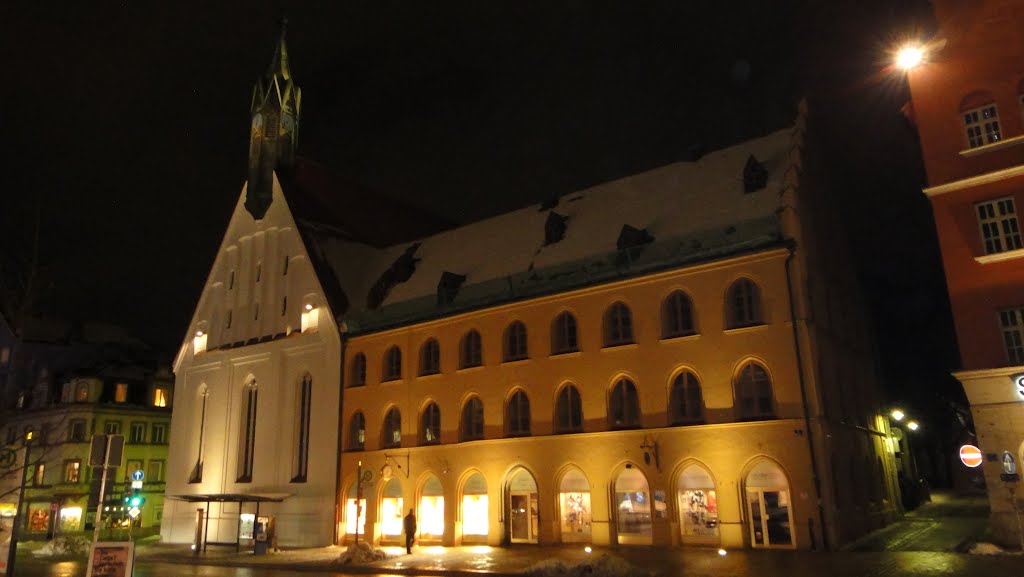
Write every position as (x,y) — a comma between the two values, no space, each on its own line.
(990,549)
(603,566)
(62,546)
(361,554)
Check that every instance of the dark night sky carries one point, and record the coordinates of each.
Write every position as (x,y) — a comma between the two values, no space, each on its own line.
(128,123)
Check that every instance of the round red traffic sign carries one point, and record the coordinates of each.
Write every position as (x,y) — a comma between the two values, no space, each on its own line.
(970,456)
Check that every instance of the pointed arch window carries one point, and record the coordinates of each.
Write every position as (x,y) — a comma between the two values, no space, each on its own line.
(304,405)
(392,370)
(391,436)
(431,425)
(744,304)
(471,354)
(357,432)
(517,417)
(515,342)
(624,406)
(563,334)
(686,403)
(197,470)
(754,398)
(247,441)
(618,325)
(677,316)
(569,411)
(430,358)
(473,420)
(357,373)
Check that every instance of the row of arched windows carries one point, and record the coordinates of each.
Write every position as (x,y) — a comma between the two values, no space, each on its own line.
(753,391)
(743,304)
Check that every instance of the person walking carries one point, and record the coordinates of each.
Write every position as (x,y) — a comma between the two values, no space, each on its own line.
(410,531)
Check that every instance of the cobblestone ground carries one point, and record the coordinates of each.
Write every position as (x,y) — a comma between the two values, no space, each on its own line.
(948,523)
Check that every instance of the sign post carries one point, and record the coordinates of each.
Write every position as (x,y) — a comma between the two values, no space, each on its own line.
(106,452)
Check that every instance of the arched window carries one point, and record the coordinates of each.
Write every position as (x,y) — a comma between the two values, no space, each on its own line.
(563,334)
(473,420)
(196,476)
(624,406)
(743,303)
(471,350)
(247,439)
(515,342)
(357,375)
(391,435)
(357,432)
(431,425)
(677,316)
(569,411)
(518,415)
(981,119)
(618,325)
(430,358)
(754,393)
(686,404)
(392,370)
(304,405)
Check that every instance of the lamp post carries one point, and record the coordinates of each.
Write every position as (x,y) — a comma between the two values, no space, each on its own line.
(12,551)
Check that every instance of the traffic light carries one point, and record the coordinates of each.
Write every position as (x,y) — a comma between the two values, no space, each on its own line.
(136,500)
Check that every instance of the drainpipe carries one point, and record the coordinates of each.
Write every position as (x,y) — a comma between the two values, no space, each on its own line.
(343,335)
(803,395)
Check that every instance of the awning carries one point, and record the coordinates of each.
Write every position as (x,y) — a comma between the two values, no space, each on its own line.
(232,498)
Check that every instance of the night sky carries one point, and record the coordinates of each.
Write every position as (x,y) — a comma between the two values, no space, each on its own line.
(126,127)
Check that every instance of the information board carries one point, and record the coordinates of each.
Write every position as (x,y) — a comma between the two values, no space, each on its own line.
(111,559)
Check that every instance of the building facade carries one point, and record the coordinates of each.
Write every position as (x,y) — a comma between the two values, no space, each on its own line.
(674,357)
(968,105)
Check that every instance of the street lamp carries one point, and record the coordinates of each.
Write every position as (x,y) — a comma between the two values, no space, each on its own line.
(913,426)
(909,56)
(897,415)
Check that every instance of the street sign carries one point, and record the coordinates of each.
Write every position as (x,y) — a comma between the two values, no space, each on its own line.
(134,512)
(136,484)
(138,475)
(970,456)
(1009,464)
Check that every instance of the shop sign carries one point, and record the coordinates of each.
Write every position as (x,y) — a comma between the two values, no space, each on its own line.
(970,456)
(111,559)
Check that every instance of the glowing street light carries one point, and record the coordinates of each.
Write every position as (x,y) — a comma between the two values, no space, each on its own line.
(909,56)
(897,415)
(913,426)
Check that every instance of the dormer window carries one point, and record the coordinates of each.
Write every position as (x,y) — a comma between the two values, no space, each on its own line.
(981,125)
(121,393)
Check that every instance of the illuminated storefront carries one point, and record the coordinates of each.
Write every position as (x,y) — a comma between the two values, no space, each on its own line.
(391,510)
(70,518)
(39,518)
(633,507)
(523,507)
(474,509)
(353,510)
(431,514)
(768,506)
(698,505)
(574,505)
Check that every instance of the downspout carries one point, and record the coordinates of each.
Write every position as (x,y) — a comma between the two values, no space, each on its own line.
(803,395)
(343,334)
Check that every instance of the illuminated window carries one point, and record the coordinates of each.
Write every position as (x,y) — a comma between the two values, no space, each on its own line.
(471,350)
(137,433)
(357,432)
(357,376)
(392,364)
(624,406)
(155,471)
(72,471)
(431,514)
(518,418)
(120,393)
(632,502)
(355,511)
(744,304)
(160,397)
(618,325)
(475,515)
(754,393)
(677,316)
(112,427)
(76,430)
(574,507)
(304,406)
(159,436)
(247,440)
(982,125)
(392,510)
(39,474)
(82,392)
(391,435)
(473,420)
(1012,322)
(569,411)
(686,404)
(563,334)
(698,504)
(430,358)
(1000,229)
(431,425)
(515,342)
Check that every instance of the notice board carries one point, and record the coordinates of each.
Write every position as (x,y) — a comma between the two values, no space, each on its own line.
(111,559)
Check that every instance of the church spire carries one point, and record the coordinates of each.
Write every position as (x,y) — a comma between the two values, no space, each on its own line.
(275,108)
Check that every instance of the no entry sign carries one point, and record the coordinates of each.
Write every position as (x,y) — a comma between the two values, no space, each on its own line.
(970,456)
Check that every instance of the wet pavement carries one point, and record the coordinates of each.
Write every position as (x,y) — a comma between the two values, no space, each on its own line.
(948,523)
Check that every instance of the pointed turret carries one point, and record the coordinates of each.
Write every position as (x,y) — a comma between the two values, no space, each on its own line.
(275,108)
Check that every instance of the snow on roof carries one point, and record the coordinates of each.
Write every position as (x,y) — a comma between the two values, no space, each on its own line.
(691,209)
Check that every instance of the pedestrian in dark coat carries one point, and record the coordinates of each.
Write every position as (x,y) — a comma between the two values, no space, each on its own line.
(410,530)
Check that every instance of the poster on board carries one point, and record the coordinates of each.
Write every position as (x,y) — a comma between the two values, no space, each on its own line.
(111,559)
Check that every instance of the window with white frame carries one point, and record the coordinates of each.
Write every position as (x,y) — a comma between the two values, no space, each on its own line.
(1000,229)
(982,125)
(137,433)
(159,436)
(1012,323)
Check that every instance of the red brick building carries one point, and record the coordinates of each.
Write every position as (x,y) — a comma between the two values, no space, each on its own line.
(968,104)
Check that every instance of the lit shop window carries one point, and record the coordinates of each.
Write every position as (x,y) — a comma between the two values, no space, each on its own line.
(633,504)
(474,506)
(391,509)
(431,519)
(70,518)
(698,504)
(355,510)
(574,505)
